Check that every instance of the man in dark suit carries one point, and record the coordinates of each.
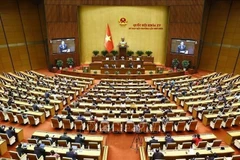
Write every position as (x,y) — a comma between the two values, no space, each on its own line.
(65,137)
(153,140)
(21,150)
(80,139)
(71,154)
(2,129)
(39,151)
(168,139)
(70,117)
(57,117)
(10,132)
(63,47)
(157,155)
(182,48)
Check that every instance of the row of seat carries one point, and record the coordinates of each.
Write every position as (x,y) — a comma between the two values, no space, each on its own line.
(142,127)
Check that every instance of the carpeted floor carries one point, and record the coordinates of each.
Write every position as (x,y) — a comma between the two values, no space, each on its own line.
(121,146)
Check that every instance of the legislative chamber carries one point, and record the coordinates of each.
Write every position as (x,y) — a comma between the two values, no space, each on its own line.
(115,80)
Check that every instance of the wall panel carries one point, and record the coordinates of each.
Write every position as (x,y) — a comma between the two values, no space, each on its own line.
(22,27)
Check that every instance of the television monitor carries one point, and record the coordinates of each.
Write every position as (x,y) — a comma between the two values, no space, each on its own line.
(183,46)
(63,45)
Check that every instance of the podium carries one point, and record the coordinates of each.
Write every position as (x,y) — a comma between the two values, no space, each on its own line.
(123,51)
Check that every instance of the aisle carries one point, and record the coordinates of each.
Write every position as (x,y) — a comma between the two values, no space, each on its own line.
(119,147)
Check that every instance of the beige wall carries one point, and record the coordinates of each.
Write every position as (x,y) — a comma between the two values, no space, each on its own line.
(93,20)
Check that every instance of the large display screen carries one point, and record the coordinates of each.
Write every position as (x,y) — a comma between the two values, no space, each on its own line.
(63,45)
(183,46)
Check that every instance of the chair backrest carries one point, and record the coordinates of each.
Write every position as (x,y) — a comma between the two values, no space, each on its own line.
(91,125)
(202,144)
(104,126)
(124,115)
(117,127)
(31,119)
(31,156)
(181,126)
(93,145)
(171,145)
(66,123)
(64,112)
(169,126)
(62,143)
(129,127)
(147,115)
(55,122)
(218,123)
(135,115)
(33,141)
(237,120)
(46,142)
(5,136)
(235,157)
(229,122)
(20,119)
(10,116)
(2,117)
(193,125)
(143,127)
(155,145)
(78,145)
(14,155)
(216,143)
(50,158)
(111,115)
(186,145)
(155,126)
(78,124)
(171,114)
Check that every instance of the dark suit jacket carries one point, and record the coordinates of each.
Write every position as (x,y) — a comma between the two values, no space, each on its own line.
(70,118)
(181,48)
(169,140)
(39,151)
(153,141)
(65,137)
(157,155)
(79,140)
(2,130)
(10,133)
(71,155)
(62,47)
(21,151)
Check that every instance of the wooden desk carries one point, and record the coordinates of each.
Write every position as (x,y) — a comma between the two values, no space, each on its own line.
(28,75)
(39,115)
(231,136)
(6,79)
(83,153)
(3,147)
(183,153)
(55,135)
(16,76)
(117,112)
(122,70)
(182,138)
(207,118)
(19,133)
(48,108)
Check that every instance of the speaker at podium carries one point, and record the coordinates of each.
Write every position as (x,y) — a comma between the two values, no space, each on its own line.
(123,48)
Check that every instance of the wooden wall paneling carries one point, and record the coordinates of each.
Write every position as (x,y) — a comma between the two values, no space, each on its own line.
(124,2)
(33,32)
(5,61)
(52,13)
(20,58)
(214,34)
(185,23)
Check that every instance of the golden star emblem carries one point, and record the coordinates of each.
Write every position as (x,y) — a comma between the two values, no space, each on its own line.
(108,38)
